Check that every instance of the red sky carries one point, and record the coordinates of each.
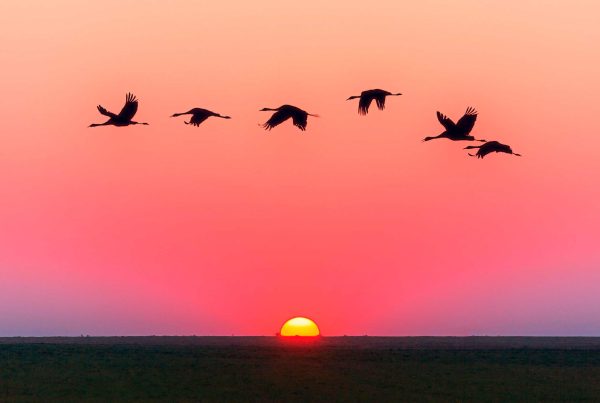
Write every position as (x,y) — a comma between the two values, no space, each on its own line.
(228,229)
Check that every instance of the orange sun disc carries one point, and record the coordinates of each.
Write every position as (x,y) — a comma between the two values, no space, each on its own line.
(299,326)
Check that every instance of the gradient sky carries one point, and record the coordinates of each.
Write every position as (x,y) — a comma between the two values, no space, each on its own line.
(228,229)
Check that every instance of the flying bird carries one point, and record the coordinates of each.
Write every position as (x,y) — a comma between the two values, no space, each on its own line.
(283,113)
(124,117)
(199,115)
(491,147)
(457,131)
(366,97)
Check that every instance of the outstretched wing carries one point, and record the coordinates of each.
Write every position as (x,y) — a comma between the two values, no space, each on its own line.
(300,120)
(380,99)
(105,112)
(277,118)
(445,121)
(482,152)
(198,118)
(486,148)
(130,108)
(364,103)
(467,122)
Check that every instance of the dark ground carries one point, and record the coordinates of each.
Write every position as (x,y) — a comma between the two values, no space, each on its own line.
(186,369)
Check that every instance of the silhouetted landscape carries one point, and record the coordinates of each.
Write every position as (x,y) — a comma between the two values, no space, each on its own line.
(321,369)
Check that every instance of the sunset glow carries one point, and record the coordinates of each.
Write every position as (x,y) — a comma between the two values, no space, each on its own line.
(300,326)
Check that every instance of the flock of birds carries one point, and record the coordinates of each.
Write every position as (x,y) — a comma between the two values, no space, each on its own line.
(459,131)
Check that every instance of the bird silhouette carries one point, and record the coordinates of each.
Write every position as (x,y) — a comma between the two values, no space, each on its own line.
(491,147)
(457,131)
(283,113)
(199,115)
(124,117)
(366,97)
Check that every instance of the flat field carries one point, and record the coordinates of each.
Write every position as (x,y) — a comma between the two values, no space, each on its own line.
(189,369)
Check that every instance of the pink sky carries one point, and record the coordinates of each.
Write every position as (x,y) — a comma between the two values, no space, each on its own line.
(228,229)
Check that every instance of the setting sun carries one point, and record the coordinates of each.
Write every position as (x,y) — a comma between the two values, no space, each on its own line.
(299,326)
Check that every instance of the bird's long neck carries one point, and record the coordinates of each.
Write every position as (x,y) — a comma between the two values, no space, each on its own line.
(435,137)
(139,123)
(222,116)
(399,93)
(98,124)
(270,109)
(182,113)
(471,147)
(353,97)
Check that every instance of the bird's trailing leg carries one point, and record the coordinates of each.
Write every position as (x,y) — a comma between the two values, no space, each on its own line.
(472,147)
